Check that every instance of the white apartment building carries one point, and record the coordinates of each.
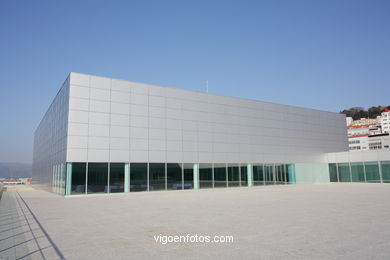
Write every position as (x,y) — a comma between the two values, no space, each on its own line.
(369,133)
(385,121)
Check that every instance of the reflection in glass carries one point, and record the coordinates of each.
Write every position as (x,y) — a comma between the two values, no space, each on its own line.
(286,180)
(174,176)
(333,172)
(269,174)
(279,174)
(372,171)
(220,175)
(156,176)
(385,171)
(138,177)
(97,178)
(258,175)
(205,175)
(117,177)
(188,176)
(357,171)
(344,174)
(233,175)
(244,175)
(290,173)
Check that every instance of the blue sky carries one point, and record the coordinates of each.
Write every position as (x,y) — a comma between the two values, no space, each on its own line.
(326,55)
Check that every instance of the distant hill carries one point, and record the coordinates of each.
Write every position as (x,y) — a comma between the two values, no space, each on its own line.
(360,112)
(15,170)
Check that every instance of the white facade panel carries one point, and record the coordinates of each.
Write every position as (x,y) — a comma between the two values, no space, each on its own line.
(119,155)
(120,85)
(120,120)
(78,104)
(120,143)
(100,82)
(99,94)
(77,129)
(139,156)
(97,118)
(99,106)
(119,96)
(99,130)
(77,155)
(98,142)
(95,155)
(120,108)
(78,116)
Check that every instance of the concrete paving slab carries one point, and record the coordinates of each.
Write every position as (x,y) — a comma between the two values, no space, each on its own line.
(321,221)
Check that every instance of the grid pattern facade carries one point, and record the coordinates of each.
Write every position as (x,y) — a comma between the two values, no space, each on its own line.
(103,123)
(50,140)
(120,121)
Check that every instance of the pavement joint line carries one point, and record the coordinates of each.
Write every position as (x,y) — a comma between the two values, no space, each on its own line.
(57,250)
(28,223)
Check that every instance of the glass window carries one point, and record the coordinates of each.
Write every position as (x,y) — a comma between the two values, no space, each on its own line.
(188,176)
(205,175)
(279,173)
(333,172)
(174,176)
(258,175)
(357,171)
(269,174)
(286,180)
(97,177)
(220,175)
(385,171)
(344,174)
(138,177)
(156,176)
(79,171)
(372,171)
(290,173)
(244,175)
(233,175)
(117,177)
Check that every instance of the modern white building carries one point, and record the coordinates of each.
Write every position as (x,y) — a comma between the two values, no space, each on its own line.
(369,133)
(103,135)
(385,121)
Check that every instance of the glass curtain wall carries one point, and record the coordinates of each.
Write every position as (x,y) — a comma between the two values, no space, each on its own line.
(385,171)
(117,177)
(287,174)
(372,172)
(244,175)
(258,174)
(205,175)
(188,176)
(233,175)
(110,177)
(269,174)
(357,172)
(59,179)
(79,171)
(97,178)
(333,172)
(279,174)
(220,177)
(138,177)
(156,176)
(376,172)
(344,173)
(174,176)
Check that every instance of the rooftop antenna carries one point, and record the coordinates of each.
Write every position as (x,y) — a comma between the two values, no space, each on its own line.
(207,86)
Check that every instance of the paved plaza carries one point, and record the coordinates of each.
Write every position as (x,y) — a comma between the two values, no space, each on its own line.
(320,221)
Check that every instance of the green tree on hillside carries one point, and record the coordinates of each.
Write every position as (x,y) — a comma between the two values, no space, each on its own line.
(360,112)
